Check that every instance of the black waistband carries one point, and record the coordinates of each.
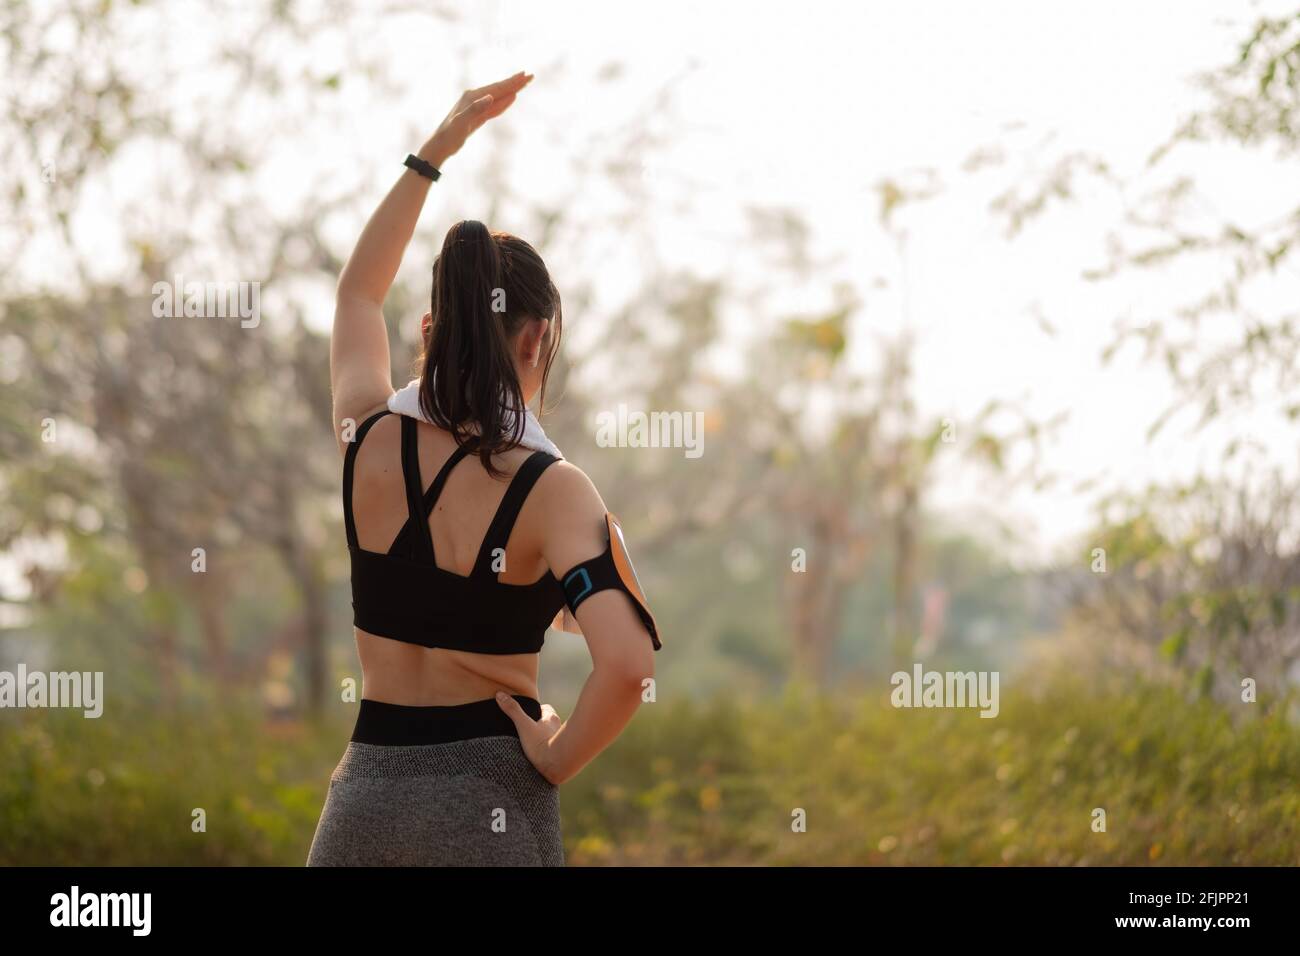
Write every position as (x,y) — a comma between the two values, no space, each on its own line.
(398,725)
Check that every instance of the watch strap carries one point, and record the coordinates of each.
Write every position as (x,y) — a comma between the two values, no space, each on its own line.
(425,169)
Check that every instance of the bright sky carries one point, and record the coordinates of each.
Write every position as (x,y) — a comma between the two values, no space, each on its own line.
(808,107)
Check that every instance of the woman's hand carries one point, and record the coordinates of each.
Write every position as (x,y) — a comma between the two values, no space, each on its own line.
(472,110)
(535,735)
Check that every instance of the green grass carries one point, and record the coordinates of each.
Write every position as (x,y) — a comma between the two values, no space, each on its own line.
(718,782)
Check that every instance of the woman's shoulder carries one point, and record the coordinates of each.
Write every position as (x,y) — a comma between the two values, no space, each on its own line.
(568,494)
(572,516)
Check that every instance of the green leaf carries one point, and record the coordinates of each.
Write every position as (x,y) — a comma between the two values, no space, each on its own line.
(1175,645)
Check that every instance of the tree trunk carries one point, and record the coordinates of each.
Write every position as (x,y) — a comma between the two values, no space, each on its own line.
(904,636)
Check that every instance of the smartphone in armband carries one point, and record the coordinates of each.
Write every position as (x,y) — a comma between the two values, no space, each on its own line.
(608,570)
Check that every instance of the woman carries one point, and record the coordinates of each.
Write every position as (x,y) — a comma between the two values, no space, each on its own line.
(454,581)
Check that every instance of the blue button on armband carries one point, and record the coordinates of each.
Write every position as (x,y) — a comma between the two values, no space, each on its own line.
(576,587)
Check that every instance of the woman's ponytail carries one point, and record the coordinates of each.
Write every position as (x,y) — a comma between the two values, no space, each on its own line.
(484,287)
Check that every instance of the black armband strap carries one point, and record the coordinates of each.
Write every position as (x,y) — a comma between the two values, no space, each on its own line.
(611,569)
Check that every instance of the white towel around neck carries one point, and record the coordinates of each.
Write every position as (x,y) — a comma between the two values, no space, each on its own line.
(406,401)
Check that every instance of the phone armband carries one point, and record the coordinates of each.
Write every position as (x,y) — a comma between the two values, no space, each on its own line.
(610,569)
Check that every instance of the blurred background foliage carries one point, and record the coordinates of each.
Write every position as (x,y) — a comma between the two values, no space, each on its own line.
(1121,683)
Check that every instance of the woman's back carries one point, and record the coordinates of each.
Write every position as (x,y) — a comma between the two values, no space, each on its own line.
(458,522)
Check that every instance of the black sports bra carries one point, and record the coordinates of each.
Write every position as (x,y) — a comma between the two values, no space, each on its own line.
(402,594)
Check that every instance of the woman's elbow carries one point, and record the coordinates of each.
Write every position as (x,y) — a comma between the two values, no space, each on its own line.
(631,666)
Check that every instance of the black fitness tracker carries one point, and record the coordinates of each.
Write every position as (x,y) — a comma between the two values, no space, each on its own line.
(427,170)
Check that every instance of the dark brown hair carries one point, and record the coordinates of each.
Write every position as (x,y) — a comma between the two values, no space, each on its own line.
(486,285)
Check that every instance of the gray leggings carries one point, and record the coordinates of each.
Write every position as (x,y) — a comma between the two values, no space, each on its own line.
(474,802)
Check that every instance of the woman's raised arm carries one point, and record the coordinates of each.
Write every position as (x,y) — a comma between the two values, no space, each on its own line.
(360,379)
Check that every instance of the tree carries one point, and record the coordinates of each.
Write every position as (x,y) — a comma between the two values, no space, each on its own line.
(1202,575)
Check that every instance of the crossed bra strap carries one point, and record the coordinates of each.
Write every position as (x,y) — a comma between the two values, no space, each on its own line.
(417,517)
(415,540)
(611,569)
(410,541)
